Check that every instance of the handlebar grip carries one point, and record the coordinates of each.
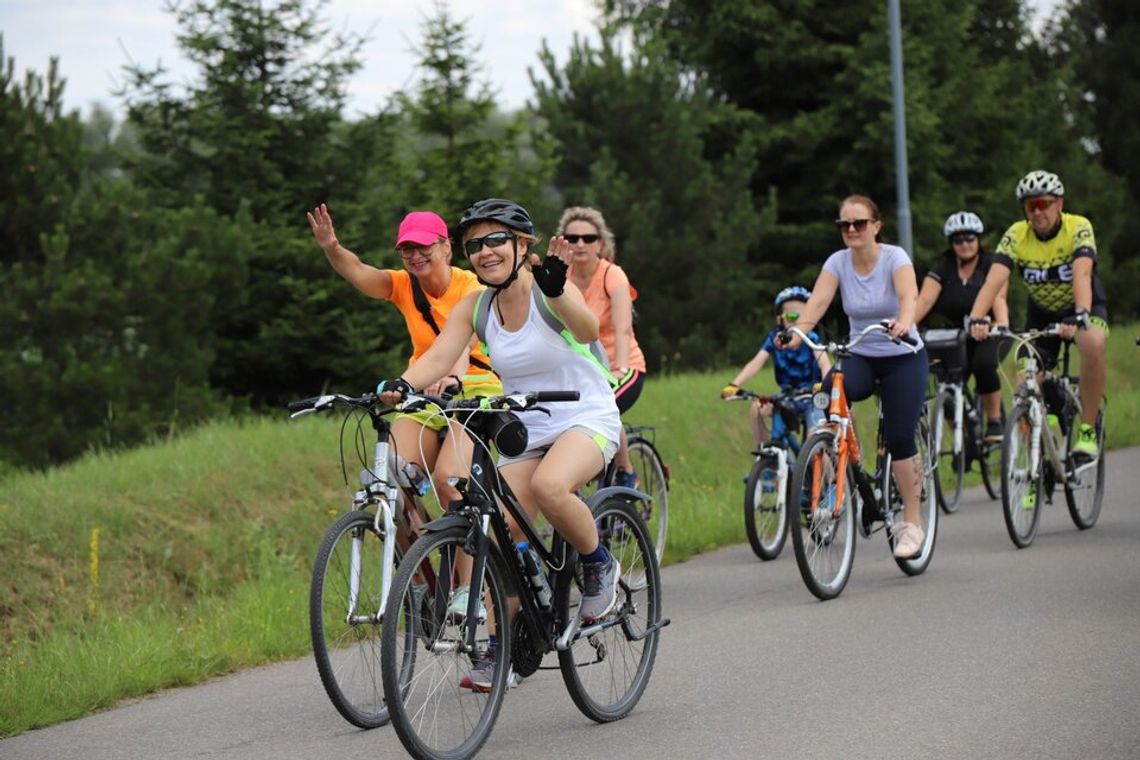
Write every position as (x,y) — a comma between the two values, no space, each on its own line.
(544,396)
(910,341)
(303,404)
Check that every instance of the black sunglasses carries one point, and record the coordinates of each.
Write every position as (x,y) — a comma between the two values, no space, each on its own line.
(494,240)
(855,224)
(587,239)
(967,238)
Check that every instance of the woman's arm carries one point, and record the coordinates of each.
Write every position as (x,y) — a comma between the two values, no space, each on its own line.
(906,288)
(369,280)
(822,294)
(927,297)
(447,349)
(621,312)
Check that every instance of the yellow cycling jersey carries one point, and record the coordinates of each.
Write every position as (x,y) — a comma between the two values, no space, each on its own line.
(1046,266)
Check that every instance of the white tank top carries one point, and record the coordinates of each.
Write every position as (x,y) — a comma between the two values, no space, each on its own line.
(535,358)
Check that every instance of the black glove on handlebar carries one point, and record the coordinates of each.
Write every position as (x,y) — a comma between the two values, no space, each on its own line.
(1080,319)
(551,276)
(399,385)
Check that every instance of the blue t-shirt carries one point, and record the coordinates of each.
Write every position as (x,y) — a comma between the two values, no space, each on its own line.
(795,367)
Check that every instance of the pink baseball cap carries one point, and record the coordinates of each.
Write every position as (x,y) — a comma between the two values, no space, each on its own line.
(421,228)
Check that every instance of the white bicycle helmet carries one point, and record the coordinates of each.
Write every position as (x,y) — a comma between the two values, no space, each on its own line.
(1039,182)
(963,221)
(792,293)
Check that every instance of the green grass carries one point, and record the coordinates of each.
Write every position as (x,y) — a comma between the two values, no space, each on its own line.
(170,564)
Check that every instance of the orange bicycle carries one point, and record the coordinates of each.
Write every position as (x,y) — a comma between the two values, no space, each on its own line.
(833,493)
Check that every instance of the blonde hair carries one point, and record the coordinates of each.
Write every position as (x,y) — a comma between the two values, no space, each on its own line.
(594,217)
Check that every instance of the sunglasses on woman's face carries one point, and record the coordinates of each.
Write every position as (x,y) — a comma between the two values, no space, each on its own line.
(854,224)
(587,239)
(494,240)
(962,239)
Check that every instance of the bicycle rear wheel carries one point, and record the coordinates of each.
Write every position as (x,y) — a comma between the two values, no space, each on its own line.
(764,521)
(345,613)
(950,466)
(989,458)
(823,537)
(1084,491)
(438,704)
(606,672)
(928,506)
(653,479)
(1021,493)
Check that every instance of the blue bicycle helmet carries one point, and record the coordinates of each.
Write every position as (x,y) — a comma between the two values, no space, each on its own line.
(792,293)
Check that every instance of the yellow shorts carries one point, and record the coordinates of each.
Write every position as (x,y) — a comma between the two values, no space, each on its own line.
(480,385)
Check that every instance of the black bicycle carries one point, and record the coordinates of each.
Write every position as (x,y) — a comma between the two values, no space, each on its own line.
(957,428)
(438,707)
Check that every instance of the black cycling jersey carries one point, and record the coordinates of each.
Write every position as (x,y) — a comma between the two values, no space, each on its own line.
(957,297)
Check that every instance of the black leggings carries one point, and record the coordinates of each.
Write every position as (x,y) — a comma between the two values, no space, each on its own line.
(903,392)
(982,359)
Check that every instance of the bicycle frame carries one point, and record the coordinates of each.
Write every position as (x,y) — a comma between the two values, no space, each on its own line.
(1030,390)
(778,447)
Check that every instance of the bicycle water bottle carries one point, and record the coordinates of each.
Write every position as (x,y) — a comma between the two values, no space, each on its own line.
(418,480)
(533,565)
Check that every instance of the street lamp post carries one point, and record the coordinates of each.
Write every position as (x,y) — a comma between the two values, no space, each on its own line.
(899,107)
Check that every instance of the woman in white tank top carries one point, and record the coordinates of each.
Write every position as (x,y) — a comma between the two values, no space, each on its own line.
(576,441)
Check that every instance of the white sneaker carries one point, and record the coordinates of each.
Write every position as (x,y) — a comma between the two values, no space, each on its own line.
(908,540)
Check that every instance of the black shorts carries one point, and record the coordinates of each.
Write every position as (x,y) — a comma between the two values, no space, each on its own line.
(1050,348)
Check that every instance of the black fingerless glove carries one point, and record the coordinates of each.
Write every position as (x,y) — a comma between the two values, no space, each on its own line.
(1080,319)
(551,276)
(399,385)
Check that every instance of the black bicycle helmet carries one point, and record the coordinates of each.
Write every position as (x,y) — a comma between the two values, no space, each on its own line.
(498,210)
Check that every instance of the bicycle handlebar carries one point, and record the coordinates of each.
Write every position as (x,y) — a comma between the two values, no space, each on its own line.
(835,347)
(418,401)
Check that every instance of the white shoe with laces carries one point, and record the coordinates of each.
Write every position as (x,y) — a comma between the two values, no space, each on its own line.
(908,540)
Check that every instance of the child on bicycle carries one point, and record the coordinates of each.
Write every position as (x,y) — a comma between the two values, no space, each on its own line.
(795,369)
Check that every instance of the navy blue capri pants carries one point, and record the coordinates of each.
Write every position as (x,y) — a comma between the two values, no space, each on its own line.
(903,392)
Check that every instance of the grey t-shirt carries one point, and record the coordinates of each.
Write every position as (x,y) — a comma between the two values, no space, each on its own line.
(871,298)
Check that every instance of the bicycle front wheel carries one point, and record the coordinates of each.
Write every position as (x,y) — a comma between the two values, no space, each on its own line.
(1084,489)
(1021,491)
(443,696)
(822,520)
(949,465)
(607,670)
(345,612)
(927,505)
(653,480)
(765,522)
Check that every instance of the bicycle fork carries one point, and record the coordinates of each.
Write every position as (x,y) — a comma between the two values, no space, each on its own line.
(384,494)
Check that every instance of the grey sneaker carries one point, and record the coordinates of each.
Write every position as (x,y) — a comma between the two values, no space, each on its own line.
(483,674)
(457,609)
(600,593)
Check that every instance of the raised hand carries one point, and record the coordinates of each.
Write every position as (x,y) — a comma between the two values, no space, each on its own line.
(322,225)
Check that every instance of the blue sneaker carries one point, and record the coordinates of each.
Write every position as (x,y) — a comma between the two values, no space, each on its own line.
(626,479)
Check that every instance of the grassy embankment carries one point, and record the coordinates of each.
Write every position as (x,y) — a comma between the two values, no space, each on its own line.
(166,565)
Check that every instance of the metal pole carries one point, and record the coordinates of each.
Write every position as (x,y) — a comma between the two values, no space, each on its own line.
(899,103)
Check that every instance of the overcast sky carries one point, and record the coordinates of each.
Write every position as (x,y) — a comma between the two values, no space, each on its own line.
(95,38)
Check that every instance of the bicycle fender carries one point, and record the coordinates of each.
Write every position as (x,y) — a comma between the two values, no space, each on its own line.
(630,494)
(445,522)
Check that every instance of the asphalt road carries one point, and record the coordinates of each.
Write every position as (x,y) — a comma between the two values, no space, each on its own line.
(993,653)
